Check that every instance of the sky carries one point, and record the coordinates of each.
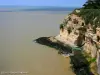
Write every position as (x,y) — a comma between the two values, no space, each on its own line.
(61,3)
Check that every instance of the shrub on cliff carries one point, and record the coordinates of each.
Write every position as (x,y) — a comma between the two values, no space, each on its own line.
(61,26)
(90,12)
(92,4)
(91,16)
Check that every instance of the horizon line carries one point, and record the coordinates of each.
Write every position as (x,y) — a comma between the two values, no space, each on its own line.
(39,6)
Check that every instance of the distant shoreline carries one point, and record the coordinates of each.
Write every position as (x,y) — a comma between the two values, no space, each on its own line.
(31,8)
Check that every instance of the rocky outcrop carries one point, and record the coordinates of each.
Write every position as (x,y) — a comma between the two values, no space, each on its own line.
(80,66)
(54,43)
(74,32)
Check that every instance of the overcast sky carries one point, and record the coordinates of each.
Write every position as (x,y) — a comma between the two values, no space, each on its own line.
(65,3)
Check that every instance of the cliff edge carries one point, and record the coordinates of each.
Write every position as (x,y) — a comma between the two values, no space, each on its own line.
(80,35)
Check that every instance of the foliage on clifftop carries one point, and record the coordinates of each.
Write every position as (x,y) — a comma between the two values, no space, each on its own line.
(92,4)
(90,12)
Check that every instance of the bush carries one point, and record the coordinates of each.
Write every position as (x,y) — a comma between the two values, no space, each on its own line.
(61,26)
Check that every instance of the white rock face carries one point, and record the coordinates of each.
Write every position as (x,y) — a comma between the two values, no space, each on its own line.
(86,48)
(77,11)
(73,34)
(98,62)
(64,33)
(73,23)
(93,51)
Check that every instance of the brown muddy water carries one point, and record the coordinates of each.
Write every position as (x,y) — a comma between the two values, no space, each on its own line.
(19,54)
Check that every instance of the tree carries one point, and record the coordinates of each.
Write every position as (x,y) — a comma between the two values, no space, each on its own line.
(92,4)
(90,12)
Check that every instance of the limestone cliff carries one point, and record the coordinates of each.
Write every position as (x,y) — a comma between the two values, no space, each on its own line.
(75,32)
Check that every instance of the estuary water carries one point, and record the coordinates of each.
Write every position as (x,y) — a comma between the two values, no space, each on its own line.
(19,54)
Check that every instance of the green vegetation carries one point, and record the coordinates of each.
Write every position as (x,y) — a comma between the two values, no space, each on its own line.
(80,65)
(90,12)
(76,48)
(61,26)
(92,4)
(91,16)
(91,63)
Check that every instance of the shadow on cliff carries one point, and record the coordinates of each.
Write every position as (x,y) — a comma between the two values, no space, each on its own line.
(57,45)
(80,66)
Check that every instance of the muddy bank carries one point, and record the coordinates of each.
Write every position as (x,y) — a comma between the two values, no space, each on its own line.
(80,66)
(54,44)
